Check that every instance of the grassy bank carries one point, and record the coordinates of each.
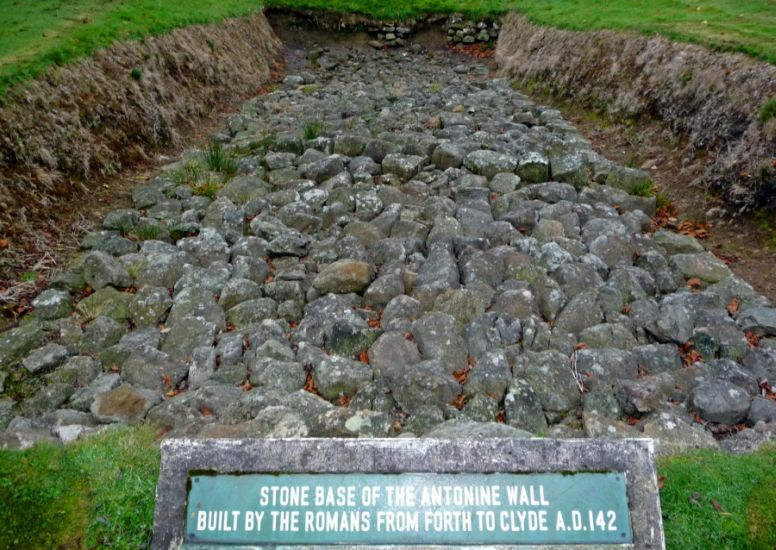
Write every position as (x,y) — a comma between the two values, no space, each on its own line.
(99,492)
(42,33)
(39,34)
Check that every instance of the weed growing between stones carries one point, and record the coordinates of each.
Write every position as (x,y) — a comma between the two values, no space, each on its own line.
(218,159)
(312,130)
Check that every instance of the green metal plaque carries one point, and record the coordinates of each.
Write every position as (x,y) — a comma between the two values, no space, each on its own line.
(405,509)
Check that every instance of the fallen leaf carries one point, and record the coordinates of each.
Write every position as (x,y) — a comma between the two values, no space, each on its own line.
(247,386)
(363,356)
(626,309)
(580,346)
(373,323)
(501,417)
(661,482)
(733,306)
(694,282)
(461,376)
(166,380)
(309,385)
(752,339)
(343,401)
(206,412)
(459,401)
(633,421)
(719,508)
(3,243)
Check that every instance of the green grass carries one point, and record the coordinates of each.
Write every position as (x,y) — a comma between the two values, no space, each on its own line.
(42,33)
(768,110)
(96,493)
(38,34)
(218,159)
(99,492)
(743,486)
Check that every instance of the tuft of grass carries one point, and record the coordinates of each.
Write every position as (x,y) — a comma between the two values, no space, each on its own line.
(312,130)
(643,189)
(28,277)
(743,488)
(218,159)
(768,111)
(207,188)
(189,174)
(95,493)
(136,73)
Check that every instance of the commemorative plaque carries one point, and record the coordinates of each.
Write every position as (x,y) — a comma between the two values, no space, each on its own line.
(421,493)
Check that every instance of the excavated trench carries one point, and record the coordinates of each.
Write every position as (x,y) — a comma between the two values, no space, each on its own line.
(392,241)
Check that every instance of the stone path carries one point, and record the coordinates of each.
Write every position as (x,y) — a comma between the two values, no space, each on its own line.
(393,243)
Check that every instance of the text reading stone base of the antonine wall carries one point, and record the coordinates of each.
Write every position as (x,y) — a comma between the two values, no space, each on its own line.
(404,509)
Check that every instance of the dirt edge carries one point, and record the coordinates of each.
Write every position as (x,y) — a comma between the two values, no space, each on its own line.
(62,132)
(715,99)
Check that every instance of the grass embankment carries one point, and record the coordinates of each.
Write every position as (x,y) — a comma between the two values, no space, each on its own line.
(39,34)
(36,35)
(99,492)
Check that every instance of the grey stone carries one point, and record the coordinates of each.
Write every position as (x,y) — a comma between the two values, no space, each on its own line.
(675,243)
(106,302)
(760,321)
(438,336)
(392,355)
(149,306)
(404,166)
(45,358)
(489,163)
(761,410)
(344,276)
(489,375)
(101,270)
(720,401)
(703,265)
(52,304)
(338,376)
(549,374)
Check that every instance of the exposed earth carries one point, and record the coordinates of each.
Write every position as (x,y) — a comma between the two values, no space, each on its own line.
(394,243)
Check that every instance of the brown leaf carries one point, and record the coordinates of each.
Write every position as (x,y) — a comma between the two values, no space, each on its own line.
(501,417)
(373,323)
(247,386)
(309,385)
(462,375)
(343,401)
(633,421)
(661,482)
(363,356)
(580,346)
(752,339)
(626,309)
(206,412)
(719,508)
(166,380)
(733,306)
(4,243)
(694,282)
(459,401)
